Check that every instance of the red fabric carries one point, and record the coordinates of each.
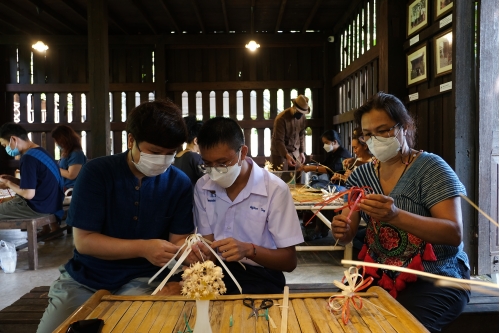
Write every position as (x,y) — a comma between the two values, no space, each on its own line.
(372,271)
(386,282)
(429,254)
(363,252)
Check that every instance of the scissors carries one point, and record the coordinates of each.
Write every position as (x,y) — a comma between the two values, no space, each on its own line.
(266,303)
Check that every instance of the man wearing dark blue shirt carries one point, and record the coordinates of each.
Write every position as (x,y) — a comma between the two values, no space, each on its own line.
(39,192)
(130,213)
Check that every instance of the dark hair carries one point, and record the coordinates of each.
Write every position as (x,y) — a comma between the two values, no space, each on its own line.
(158,122)
(331,136)
(12,129)
(221,130)
(394,109)
(67,138)
(193,127)
(356,133)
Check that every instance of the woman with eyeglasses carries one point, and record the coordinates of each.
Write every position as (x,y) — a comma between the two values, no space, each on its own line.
(413,215)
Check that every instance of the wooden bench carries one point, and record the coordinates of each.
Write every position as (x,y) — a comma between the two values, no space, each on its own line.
(31,225)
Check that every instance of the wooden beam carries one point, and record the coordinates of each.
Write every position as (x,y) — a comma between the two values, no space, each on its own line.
(311,16)
(170,16)
(353,67)
(280,15)
(98,77)
(347,16)
(252,17)
(32,18)
(198,15)
(76,87)
(8,21)
(113,20)
(145,15)
(224,12)
(244,85)
(41,7)
(82,12)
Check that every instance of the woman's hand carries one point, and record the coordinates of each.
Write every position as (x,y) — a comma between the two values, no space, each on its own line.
(379,207)
(341,226)
(232,249)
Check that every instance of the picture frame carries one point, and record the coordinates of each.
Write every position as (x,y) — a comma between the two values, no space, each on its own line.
(417,14)
(443,7)
(443,53)
(416,65)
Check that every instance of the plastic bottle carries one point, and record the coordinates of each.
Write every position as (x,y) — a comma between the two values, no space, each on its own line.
(8,257)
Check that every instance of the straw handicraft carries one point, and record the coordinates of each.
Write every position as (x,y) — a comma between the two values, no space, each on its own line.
(190,241)
(203,281)
(355,283)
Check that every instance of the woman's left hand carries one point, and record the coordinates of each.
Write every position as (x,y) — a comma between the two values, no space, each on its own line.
(379,207)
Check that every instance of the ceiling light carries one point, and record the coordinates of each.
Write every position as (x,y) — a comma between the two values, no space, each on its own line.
(252,45)
(40,46)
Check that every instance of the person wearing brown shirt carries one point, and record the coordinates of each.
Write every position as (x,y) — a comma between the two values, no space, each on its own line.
(287,142)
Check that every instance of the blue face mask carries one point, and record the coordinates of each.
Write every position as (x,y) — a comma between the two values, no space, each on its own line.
(10,151)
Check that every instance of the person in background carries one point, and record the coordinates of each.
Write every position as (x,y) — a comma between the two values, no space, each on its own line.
(413,215)
(287,143)
(189,159)
(245,210)
(72,156)
(361,151)
(39,192)
(130,213)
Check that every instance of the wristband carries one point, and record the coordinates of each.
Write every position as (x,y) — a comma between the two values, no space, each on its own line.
(316,168)
(254,250)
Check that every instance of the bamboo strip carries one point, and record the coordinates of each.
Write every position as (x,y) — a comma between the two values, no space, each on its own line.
(412,271)
(100,310)
(216,311)
(305,321)
(171,317)
(379,318)
(238,317)
(180,324)
(369,315)
(275,313)
(319,320)
(292,321)
(358,321)
(333,324)
(479,210)
(117,316)
(228,297)
(127,317)
(152,321)
(111,310)
(319,248)
(284,315)
(83,311)
(227,312)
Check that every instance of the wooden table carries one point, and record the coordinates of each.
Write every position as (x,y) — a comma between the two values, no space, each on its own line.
(306,313)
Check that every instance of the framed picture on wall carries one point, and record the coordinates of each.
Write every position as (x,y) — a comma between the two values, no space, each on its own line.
(443,7)
(443,53)
(417,16)
(416,65)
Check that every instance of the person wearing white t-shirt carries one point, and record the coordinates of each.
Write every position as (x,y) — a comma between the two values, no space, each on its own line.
(245,210)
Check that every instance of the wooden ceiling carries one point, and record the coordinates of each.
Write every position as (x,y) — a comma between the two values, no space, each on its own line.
(158,17)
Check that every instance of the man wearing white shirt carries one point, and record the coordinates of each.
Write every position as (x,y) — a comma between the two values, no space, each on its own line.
(247,211)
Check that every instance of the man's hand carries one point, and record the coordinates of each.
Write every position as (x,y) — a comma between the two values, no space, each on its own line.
(159,251)
(232,249)
(199,253)
(289,160)
(302,158)
(3,182)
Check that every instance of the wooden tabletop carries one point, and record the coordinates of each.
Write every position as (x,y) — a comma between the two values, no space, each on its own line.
(307,312)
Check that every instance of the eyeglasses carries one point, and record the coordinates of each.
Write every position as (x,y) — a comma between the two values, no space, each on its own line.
(221,168)
(382,134)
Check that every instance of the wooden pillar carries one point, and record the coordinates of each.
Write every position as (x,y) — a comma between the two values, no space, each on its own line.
(488,136)
(97,11)
(461,152)
(6,101)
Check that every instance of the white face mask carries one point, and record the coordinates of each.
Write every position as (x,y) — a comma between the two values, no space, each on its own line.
(328,147)
(153,165)
(384,148)
(227,179)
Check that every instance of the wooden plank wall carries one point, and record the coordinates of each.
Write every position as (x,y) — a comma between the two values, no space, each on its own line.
(228,70)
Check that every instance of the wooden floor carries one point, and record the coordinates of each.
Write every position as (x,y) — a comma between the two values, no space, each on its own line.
(23,316)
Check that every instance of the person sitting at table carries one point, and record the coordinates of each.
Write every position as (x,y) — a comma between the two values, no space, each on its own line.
(39,192)
(361,151)
(245,210)
(413,215)
(130,213)
(72,156)
(189,159)
(331,165)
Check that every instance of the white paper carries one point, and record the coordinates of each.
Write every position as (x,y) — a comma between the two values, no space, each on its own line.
(445,21)
(414,40)
(413,97)
(445,86)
